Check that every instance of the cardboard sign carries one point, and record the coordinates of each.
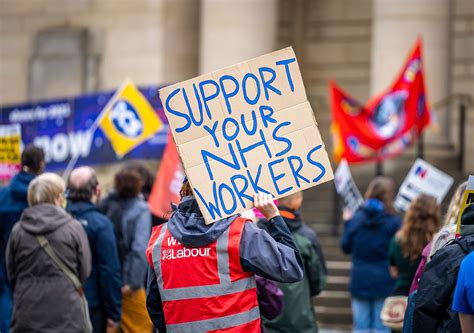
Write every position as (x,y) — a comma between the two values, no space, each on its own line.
(423,178)
(467,199)
(10,156)
(347,188)
(245,129)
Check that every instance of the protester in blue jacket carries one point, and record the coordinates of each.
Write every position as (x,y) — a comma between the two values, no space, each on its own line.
(103,287)
(367,237)
(13,200)
(463,301)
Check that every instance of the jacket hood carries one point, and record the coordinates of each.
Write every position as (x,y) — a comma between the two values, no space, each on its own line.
(44,218)
(467,243)
(188,227)
(80,207)
(291,217)
(19,185)
(373,210)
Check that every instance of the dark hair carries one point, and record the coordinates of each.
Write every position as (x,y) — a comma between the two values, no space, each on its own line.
(145,174)
(185,189)
(32,159)
(83,192)
(382,189)
(128,183)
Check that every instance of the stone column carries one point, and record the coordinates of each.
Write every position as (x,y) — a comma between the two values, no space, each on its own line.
(234,31)
(396,25)
(181,39)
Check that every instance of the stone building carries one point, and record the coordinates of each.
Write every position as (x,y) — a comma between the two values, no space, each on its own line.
(57,48)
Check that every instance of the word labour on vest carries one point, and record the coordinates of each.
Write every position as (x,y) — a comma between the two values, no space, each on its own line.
(182,251)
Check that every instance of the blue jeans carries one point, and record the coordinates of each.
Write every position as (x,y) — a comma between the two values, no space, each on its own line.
(366,316)
(5,307)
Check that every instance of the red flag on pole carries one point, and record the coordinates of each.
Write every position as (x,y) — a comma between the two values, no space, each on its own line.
(169,179)
(388,123)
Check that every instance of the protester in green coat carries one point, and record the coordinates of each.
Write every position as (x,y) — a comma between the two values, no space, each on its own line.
(298,311)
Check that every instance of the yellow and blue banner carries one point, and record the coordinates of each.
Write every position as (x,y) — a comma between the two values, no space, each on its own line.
(128,119)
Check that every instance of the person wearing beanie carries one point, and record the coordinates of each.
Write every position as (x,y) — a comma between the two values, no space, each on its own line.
(433,305)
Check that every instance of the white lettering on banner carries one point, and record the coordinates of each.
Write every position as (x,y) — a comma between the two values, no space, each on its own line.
(38,113)
(62,146)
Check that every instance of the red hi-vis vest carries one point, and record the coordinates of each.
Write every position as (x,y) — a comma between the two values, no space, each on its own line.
(204,289)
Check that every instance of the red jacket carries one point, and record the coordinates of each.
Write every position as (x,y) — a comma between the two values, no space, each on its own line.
(204,289)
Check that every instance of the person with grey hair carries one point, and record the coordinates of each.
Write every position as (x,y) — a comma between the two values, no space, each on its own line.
(13,202)
(103,287)
(48,259)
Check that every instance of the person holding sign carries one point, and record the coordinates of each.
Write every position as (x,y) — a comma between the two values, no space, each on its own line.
(202,275)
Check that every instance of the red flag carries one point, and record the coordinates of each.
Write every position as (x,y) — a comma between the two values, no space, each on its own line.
(388,123)
(169,179)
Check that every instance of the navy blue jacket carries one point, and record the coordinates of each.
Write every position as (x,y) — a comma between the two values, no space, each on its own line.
(367,237)
(103,287)
(13,200)
(271,254)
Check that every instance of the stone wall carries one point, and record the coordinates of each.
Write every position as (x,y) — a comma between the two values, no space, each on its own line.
(124,40)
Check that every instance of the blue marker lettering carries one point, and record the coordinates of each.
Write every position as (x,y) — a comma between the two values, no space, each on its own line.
(254,182)
(225,128)
(223,187)
(206,155)
(266,116)
(244,88)
(254,121)
(190,110)
(277,177)
(289,144)
(212,131)
(212,207)
(228,95)
(205,98)
(247,149)
(177,113)
(296,171)
(317,164)
(287,69)
(267,84)
(240,191)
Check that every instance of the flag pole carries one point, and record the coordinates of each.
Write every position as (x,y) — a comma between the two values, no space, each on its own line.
(95,125)
(379,168)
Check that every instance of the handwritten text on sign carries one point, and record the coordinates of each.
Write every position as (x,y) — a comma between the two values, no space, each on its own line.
(245,129)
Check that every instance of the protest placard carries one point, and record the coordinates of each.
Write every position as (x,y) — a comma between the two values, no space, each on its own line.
(467,199)
(10,158)
(245,129)
(423,178)
(347,188)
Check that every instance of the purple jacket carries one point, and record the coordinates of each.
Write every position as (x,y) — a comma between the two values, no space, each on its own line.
(270,298)
(421,267)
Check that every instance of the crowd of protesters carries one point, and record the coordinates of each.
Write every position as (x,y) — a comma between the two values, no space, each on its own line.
(74,260)
(410,275)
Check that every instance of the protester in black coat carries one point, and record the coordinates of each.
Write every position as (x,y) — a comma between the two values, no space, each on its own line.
(433,311)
